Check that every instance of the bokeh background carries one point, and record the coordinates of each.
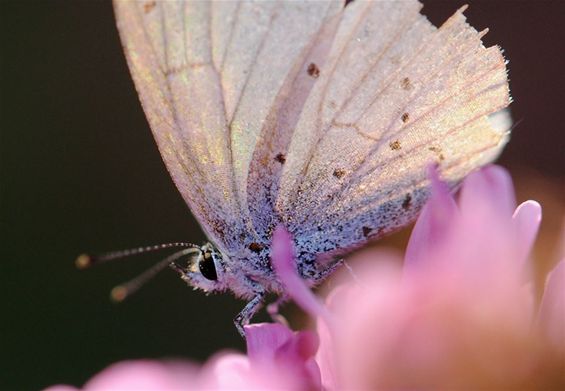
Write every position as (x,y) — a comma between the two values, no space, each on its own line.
(80,172)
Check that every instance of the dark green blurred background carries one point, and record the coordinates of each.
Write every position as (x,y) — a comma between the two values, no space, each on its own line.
(80,172)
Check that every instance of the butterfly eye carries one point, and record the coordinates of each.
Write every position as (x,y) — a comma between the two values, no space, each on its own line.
(207,267)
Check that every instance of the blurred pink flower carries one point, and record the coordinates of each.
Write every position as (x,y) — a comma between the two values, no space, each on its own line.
(460,314)
(276,358)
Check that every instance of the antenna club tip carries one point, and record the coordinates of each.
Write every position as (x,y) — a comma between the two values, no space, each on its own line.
(83,261)
(119,293)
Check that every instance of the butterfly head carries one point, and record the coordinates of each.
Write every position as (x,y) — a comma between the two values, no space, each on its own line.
(205,270)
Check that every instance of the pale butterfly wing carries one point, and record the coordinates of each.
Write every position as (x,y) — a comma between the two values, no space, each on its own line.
(208,75)
(180,93)
(321,117)
(395,95)
(265,88)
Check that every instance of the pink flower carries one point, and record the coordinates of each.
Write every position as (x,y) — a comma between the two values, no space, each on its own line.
(277,358)
(461,313)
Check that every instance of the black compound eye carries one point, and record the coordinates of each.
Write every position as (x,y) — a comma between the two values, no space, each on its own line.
(207,267)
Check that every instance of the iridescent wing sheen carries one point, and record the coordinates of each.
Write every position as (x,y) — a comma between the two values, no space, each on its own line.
(394,95)
(208,75)
(319,116)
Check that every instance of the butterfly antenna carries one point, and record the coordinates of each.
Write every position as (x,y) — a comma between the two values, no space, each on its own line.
(84,260)
(122,291)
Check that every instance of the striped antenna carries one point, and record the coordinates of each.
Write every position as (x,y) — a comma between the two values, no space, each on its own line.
(122,291)
(84,260)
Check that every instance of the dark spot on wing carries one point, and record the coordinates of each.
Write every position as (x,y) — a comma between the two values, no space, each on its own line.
(395,145)
(148,7)
(280,158)
(438,152)
(313,70)
(406,84)
(405,117)
(256,247)
(338,173)
(407,203)
(347,2)
(366,231)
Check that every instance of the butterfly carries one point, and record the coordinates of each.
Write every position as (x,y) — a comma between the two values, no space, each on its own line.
(321,116)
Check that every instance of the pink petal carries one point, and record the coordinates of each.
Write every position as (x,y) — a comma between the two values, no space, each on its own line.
(297,355)
(552,310)
(61,387)
(142,375)
(284,263)
(492,186)
(485,236)
(302,347)
(527,218)
(263,339)
(326,358)
(230,372)
(433,225)
(273,348)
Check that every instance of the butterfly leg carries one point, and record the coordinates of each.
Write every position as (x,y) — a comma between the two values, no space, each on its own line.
(352,273)
(328,271)
(248,312)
